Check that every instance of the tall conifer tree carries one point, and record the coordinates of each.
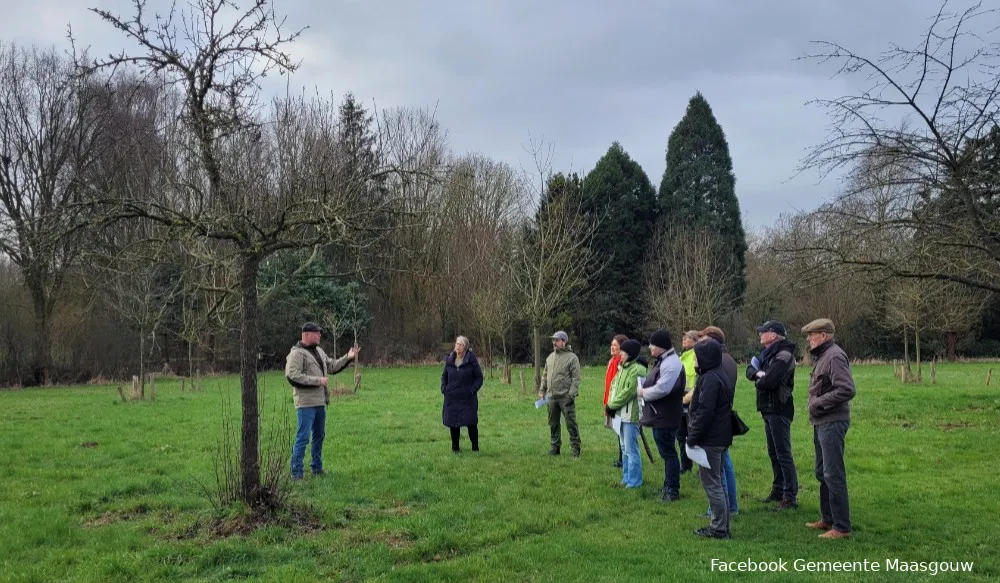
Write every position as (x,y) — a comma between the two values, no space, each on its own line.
(699,190)
(618,194)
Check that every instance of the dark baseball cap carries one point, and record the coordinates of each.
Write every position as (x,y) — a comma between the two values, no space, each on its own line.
(772,326)
(311,327)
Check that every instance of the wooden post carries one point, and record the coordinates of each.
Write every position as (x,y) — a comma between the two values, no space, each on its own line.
(135,388)
(933,371)
(524,389)
(183,380)
(152,386)
(989,375)
(121,392)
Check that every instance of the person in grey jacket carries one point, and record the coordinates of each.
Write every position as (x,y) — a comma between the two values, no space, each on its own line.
(306,369)
(831,388)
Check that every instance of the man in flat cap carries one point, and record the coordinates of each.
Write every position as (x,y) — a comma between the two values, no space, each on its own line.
(773,375)
(306,369)
(831,388)
(561,385)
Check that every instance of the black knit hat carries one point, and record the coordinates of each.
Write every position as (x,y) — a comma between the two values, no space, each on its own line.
(631,348)
(661,338)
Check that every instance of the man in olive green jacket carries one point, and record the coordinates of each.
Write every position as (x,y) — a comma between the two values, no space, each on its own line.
(561,385)
(306,369)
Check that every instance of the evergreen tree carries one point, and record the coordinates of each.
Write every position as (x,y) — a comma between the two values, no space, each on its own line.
(617,194)
(358,161)
(699,189)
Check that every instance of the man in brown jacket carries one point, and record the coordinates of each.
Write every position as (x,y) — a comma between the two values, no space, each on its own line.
(306,368)
(831,388)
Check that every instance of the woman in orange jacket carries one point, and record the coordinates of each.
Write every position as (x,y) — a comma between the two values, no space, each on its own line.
(616,348)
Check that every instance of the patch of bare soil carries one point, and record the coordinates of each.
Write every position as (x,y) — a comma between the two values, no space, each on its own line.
(954,426)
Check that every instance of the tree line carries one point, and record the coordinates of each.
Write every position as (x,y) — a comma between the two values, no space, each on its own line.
(157,212)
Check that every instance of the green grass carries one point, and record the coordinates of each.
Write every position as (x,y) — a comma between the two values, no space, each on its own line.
(398,505)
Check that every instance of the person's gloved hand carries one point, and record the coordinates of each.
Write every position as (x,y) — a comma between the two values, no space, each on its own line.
(609,411)
(755,362)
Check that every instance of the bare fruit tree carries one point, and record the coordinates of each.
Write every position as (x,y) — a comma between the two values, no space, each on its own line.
(938,166)
(255,180)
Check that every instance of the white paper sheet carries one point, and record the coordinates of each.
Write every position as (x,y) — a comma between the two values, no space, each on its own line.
(697,455)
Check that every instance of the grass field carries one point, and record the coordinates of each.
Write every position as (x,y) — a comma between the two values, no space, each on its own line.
(397,505)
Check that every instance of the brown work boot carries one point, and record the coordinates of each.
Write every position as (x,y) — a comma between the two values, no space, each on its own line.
(835,534)
(819,525)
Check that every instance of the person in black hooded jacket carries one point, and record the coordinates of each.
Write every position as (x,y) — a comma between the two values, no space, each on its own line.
(710,428)
(773,375)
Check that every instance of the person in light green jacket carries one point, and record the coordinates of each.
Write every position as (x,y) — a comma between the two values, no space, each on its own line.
(688,341)
(687,358)
(624,404)
(560,386)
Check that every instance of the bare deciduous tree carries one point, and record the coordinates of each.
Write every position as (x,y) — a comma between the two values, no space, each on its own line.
(256,183)
(485,205)
(50,125)
(686,287)
(553,258)
(935,169)
(958,310)
(141,284)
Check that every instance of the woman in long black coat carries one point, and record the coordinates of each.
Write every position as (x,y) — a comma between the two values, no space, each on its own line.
(460,382)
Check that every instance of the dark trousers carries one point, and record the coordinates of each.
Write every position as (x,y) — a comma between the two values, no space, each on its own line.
(682,433)
(828,439)
(711,481)
(456,432)
(778,430)
(566,407)
(665,440)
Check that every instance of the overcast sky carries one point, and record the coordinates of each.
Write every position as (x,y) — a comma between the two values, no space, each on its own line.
(577,73)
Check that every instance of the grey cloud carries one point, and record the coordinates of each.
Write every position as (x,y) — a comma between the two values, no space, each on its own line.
(578,73)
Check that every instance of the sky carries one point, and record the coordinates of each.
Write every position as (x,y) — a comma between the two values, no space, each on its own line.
(575,74)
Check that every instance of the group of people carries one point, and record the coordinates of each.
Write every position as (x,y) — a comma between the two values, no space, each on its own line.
(685,399)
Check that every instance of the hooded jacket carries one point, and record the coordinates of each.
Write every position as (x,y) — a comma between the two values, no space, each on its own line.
(710,413)
(624,390)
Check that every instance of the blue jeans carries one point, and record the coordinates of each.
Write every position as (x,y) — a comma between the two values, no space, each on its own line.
(631,462)
(728,483)
(311,419)
(665,439)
